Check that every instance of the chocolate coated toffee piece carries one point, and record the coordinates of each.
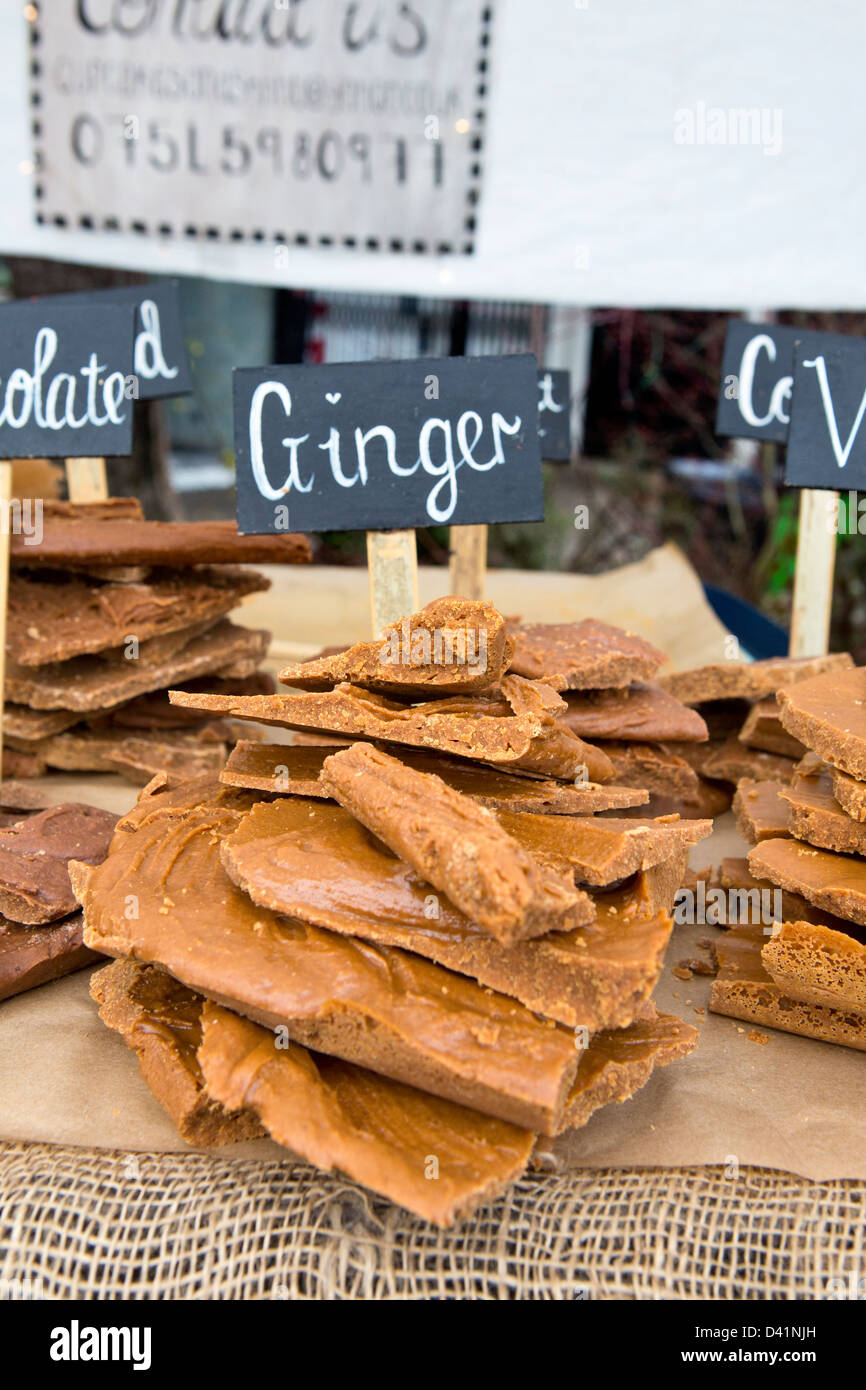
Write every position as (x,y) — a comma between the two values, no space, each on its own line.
(382,1008)
(588,655)
(453,646)
(519,730)
(828,715)
(314,861)
(294,771)
(34,881)
(32,956)
(603,851)
(835,883)
(816,816)
(454,844)
(749,680)
(745,989)
(378,1131)
(818,966)
(763,729)
(79,544)
(49,621)
(86,684)
(160,1020)
(643,711)
(761,811)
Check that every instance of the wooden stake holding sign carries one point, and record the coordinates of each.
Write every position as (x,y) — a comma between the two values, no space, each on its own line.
(386,446)
(807,390)
(86,480)
(813,576)
(392,561)
(467,566)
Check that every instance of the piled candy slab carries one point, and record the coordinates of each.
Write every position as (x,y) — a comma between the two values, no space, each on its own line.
(422,939)
(106,611)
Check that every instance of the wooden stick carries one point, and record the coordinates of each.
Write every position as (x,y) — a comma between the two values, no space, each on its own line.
(392,558)
(467,566)
(5,522)
(86,480)
(813,576)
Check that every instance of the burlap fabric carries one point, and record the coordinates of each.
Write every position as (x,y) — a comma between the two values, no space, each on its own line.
(85,1223)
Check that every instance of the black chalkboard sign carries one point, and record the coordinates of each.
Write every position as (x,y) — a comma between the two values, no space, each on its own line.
(757,385)
(827,438)
(376,446)
(757,373)
(554,414)
(160,361)
(66,381)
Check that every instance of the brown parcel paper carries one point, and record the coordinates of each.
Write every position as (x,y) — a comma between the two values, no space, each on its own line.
(792,1104)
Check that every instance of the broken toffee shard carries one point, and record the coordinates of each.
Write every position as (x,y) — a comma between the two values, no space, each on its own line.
(314,861)
(382,1008)
(380,1132)
(452,646)
(88,685)
(760,810)
(750,680)
(73,543)
(160,1021)
(588,655)
(294,771)
(517,730)
(835,883)
(744,989)
(455,845)
(828,715)
(48,622)
(644,712)
(818,966)
(816,816)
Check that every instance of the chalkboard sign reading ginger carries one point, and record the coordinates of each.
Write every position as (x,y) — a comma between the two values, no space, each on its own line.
(374,446)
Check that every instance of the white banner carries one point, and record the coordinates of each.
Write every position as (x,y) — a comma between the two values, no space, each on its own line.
(320,123)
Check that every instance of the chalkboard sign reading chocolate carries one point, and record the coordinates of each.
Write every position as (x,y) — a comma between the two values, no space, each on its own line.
(66,381)
(160,360)
(554,414)
(757,375)
(827,438)
(376,446)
